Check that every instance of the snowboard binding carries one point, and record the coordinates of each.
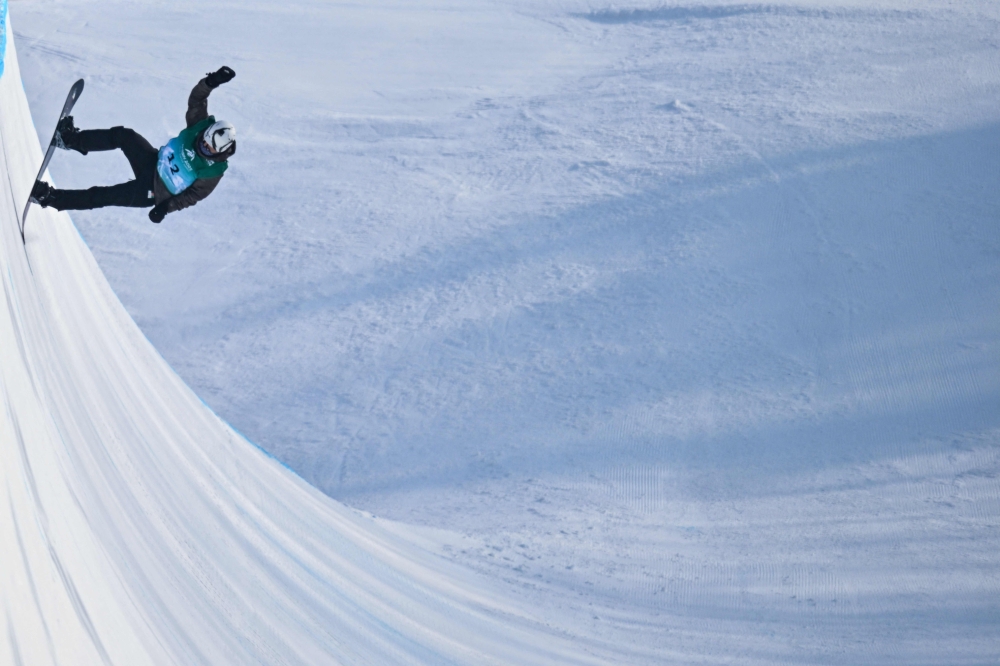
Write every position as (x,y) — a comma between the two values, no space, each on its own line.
(67,136)
(42,194)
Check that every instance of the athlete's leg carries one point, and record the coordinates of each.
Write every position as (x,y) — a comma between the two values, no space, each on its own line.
(88,140)
(130,194)
(140,154)
(136,193)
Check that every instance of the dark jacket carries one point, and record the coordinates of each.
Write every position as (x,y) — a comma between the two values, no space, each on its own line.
(201,188)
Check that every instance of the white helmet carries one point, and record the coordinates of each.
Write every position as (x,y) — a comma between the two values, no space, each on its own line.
(220,136)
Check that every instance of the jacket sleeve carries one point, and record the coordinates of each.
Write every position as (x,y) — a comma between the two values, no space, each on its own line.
(198,103)
(200,189)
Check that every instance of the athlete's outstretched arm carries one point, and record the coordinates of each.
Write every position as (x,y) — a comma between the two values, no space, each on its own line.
(198,99)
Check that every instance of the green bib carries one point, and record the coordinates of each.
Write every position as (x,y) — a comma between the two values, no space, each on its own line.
(180,163)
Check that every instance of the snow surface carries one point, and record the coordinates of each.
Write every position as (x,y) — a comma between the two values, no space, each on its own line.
(674,325)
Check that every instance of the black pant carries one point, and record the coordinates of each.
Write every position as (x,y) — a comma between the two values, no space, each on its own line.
(136,193)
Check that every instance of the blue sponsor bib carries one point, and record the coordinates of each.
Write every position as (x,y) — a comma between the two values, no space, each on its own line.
(180,164)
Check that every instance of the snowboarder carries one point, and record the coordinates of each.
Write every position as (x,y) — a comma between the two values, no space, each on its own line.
(178,175)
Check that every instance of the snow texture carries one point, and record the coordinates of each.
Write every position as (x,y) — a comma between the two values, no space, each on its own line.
(673,329)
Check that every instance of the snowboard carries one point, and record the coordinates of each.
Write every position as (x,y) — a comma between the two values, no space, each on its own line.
(74,94)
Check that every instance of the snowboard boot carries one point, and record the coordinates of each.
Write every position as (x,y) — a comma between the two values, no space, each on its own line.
(43,194)
(68,136)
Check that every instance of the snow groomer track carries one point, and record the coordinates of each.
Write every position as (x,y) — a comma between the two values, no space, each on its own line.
(138,528)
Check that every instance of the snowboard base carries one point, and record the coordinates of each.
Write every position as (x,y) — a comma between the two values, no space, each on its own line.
(74,94)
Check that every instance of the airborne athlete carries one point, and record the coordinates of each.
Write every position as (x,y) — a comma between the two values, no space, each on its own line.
(178,175)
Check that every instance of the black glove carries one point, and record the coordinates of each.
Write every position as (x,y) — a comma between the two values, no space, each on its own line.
(216,79)
(157,214)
